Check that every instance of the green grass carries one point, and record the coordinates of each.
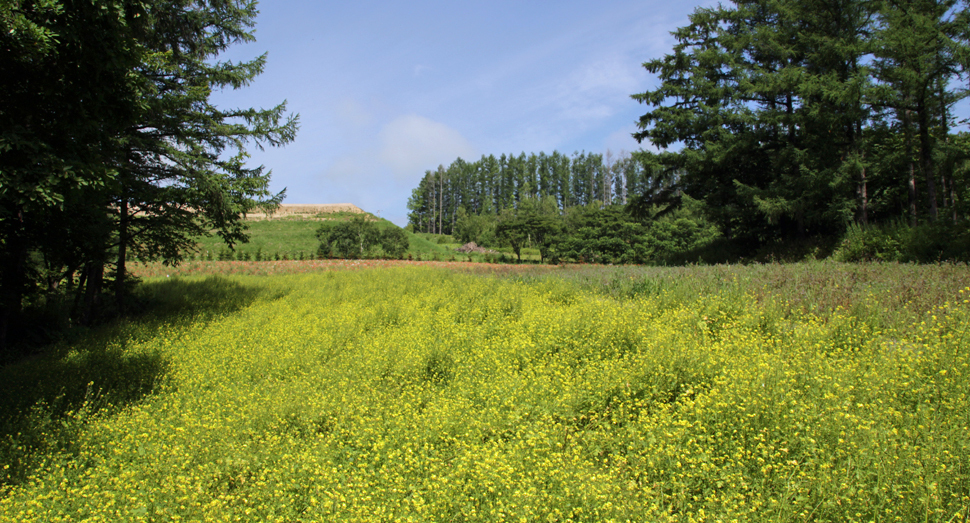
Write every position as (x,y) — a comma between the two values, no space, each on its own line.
(812,392)
(281,236)
(421,246)
(291,236)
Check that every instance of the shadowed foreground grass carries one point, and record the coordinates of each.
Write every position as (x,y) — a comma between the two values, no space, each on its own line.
(809,393)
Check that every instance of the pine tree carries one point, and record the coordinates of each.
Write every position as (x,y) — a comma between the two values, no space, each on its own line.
(921,47)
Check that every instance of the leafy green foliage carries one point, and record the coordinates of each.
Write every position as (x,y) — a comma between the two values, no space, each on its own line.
(899,242)
(394,242)
(353,238)
(360,237)
(478,228)
(449,200)
(798,118)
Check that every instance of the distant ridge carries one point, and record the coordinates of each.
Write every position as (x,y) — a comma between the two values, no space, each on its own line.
(308,211)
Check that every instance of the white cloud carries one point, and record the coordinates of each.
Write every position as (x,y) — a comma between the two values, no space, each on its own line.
(377,173)
(412,144)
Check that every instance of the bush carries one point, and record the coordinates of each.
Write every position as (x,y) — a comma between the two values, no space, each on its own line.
(899,242)
(360,238)
(874,243)
(351,239)
(394,242)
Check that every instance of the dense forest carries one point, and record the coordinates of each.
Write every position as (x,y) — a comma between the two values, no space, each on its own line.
(776,122)
(111,149)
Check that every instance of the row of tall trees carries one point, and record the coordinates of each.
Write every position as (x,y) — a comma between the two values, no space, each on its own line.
(110,146)
(491,185)
(792,118)
(595,233)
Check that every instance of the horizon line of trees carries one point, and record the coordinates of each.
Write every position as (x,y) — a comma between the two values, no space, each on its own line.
(492,185)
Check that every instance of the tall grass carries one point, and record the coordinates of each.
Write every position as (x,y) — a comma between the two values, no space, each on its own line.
(764,393)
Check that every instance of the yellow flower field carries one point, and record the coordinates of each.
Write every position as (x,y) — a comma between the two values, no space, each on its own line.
(421,394)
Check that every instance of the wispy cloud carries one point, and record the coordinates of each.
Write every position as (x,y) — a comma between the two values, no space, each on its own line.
(420,69)
(598,89)
(412,144)
(353,115)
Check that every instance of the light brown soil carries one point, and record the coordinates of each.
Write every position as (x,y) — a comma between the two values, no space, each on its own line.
(306,211)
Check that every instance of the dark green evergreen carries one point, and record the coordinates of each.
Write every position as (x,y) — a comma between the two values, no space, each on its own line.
(794,119)
(110,148)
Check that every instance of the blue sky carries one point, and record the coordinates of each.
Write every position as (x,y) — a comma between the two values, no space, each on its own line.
(388,90)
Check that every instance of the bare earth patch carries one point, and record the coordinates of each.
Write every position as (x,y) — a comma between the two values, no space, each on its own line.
(198,268)
(306,211)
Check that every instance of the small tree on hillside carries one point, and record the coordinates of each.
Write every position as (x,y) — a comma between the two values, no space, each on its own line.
(351,239)
(394,242)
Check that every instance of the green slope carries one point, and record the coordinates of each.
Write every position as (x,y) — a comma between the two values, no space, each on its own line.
(290,237)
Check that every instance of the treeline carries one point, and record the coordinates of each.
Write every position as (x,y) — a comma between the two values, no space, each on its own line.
(111,148)
(579,208)
(781,122)
(491,185)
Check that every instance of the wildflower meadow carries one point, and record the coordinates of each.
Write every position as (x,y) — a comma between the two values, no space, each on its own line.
(819,392)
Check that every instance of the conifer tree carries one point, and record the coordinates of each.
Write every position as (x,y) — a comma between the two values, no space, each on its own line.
(111,146)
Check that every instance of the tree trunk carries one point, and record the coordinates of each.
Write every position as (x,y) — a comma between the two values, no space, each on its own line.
(120,274)
(80,292)
(92,292)
(953,200)
(911,185)
(948,180)
(441,196)
(926,161)
(863,189)
(946,141)
(12,283)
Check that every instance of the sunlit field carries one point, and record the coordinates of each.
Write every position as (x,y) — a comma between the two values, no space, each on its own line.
(817,392)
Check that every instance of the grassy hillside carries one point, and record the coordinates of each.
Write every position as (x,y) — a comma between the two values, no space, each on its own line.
(289,237)
(819,392)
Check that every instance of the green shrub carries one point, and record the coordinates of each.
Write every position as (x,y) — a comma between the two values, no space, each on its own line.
(394,242)
(899,242)
(359,237)
(874,243)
